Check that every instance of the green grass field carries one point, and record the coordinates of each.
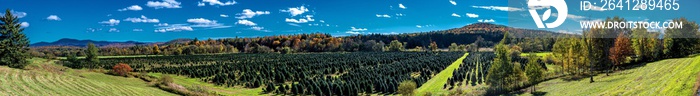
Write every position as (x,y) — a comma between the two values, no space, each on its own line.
(230,91)
(541,54)
(39,81)
(114,56)
(671,77)
(435,84)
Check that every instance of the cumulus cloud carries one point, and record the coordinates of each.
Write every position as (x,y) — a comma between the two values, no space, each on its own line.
(224,15)
(499,8)
(419,26)
(161,24)
(257,28)
(164,4)
(400,14)
(201,21)
(383,16)
(453,2)
(401,6)
(216,3)
(296,11)
(246,22)
(174,29)
(472,15)
(132,8)
(15,13)
(301,20)
(23,25)
(113,30)
(110,22)
(486,20)
(357,29)
(143,19)
(456,15)
(247,13)
(53,18)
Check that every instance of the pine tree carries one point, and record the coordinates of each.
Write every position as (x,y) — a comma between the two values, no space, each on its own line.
(14,45)
(92,55)
(533,70)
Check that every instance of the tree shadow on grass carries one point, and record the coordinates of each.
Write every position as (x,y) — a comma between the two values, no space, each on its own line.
(538,93)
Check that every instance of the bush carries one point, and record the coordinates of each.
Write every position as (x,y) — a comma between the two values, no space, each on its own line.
(407,87)
(121,69)
(427,94)
(165,79)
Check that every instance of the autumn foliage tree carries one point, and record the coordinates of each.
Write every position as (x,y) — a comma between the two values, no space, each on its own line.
(621,50)
(121,69)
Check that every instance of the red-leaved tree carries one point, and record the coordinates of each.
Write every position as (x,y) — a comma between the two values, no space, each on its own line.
(621,50)
(121,69)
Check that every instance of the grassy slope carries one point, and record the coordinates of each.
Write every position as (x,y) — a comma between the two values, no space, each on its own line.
(41,82)
(671,77)
(541,54)
(435,84)
(235,91)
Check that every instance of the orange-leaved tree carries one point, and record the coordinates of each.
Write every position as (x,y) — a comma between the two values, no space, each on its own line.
(621,50)
(121,69)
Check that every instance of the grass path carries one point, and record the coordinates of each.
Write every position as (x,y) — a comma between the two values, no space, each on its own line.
(670,77)
(221,90)
(435,84)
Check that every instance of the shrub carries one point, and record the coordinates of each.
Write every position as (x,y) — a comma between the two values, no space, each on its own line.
(165,79)
(407,87)
(427,94)
(121,69)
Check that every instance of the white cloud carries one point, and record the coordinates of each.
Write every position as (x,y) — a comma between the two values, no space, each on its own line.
(257,28)
(164,4)
(453,2)
(216,3)
(246,22)
(132,8)
(53,18)
(400,14)
(322,21)
(401,6)
(383,16)
(137,30)
(301,20)
(472,15)
(418,26)
(143,19)
(456,15)
(487,20)
(201,21)
(23,25)
(292,24)
(223,15)
(351,32)
(113,30)
(296,11)
(499,8)
(357,29)
(110,22)
(174,29)
(247,13)
(200,4)
(161,24)
(15,13)
(570,16)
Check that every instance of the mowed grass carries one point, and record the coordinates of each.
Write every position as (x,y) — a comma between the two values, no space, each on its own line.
(221,90)
(37,82)
(671,77)
(436,84)
(125,56)
(541,54)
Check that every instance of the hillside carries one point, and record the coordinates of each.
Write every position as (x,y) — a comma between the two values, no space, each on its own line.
(45,78)
(671,77)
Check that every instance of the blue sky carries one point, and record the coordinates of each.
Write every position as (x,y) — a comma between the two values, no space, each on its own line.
(163,20)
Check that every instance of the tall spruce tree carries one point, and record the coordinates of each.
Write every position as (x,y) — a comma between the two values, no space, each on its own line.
(14,45)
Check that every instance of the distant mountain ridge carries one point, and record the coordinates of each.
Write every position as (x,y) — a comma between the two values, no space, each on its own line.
(83,43)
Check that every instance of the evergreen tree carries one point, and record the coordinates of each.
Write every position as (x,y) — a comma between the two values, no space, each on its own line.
(92,55)
(14,45)
(533,70)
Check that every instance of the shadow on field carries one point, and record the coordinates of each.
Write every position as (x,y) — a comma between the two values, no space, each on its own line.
(538,93)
